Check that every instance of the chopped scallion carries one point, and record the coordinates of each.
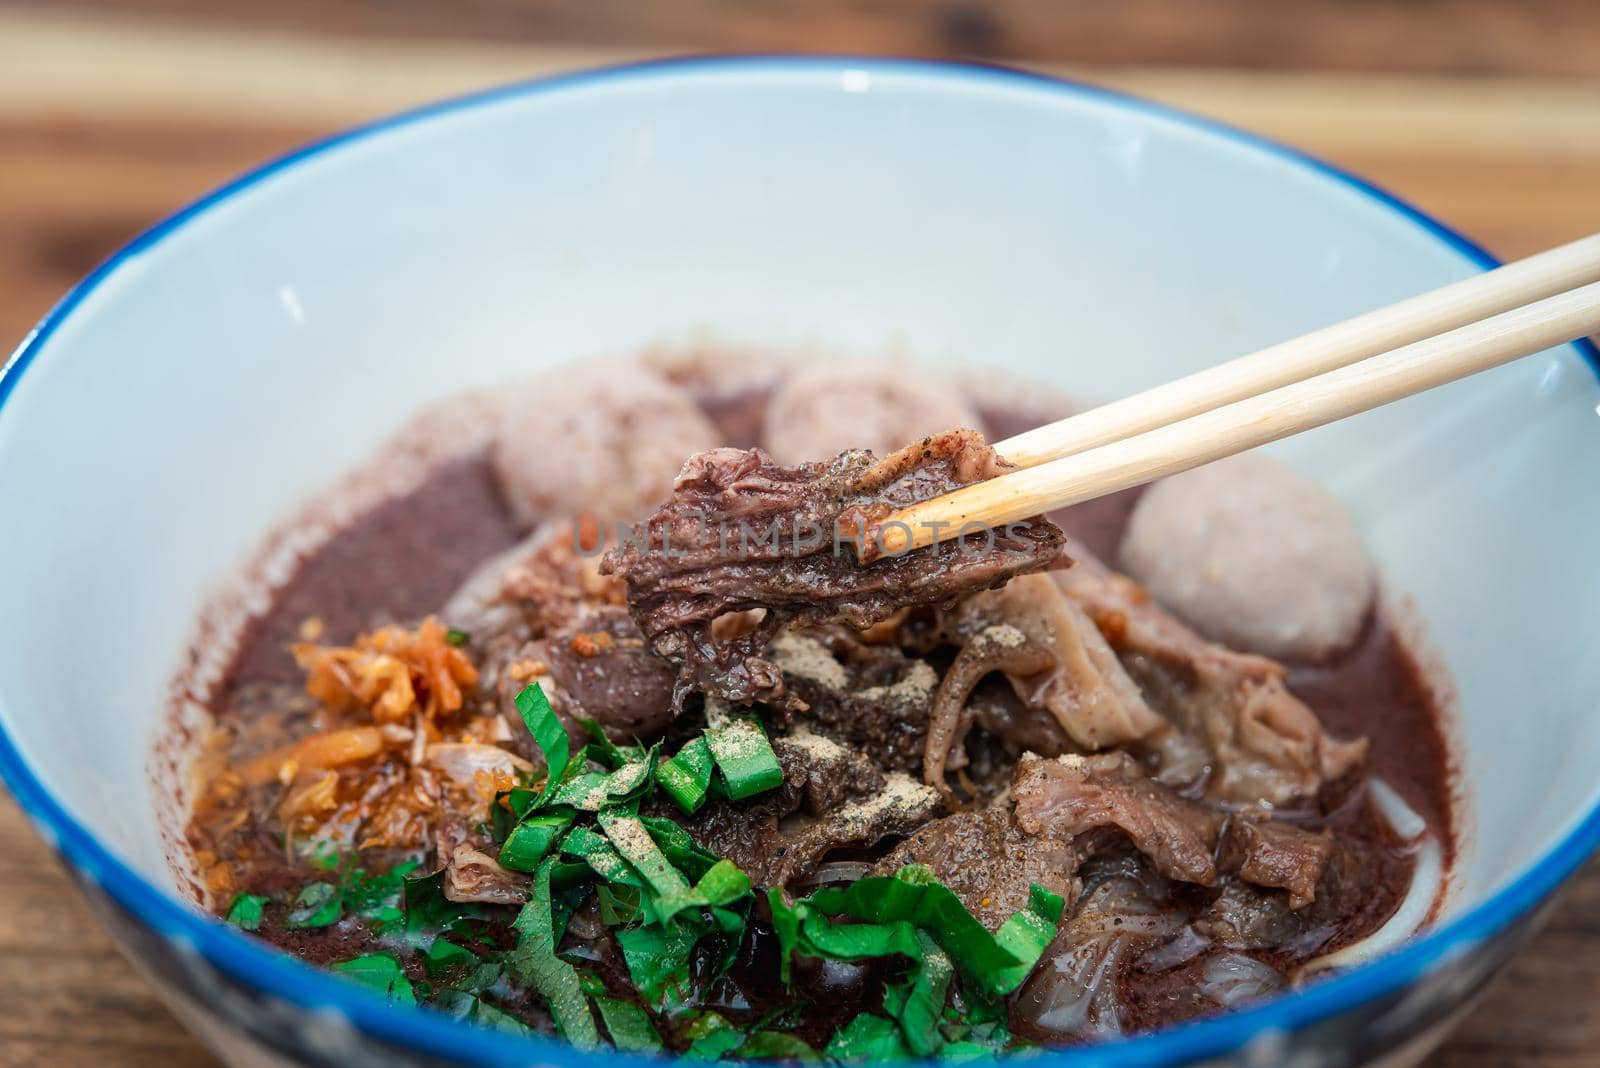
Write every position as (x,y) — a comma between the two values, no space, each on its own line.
(531,839)
(744,756)
(687,777)
(246,911)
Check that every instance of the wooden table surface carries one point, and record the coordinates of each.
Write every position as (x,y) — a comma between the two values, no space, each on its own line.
(108,123)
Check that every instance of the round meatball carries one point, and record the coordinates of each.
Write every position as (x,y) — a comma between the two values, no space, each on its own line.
(824,410)
(1253,555)
(606,441)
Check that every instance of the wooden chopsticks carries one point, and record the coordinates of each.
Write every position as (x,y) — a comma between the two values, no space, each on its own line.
(1338,371)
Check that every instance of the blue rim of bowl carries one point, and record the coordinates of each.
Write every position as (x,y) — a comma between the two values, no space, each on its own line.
(253,965)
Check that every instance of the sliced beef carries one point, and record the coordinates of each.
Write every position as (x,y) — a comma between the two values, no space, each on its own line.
(1074,795)
(823,773)
(603,671)
(746,834)
(1355,892)
(831,799)
(1274,854)
(899,808)
(989,862)
(742,532)
(1264,743)
(872,698)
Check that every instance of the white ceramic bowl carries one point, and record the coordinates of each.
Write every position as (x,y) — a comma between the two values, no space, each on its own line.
(230,362)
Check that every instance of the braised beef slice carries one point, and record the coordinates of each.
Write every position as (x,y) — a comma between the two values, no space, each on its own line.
(1273,854)
(1074,795)
(872,698)
(989,862)
(742,532)
(824,773)
(830,799)
(603,671)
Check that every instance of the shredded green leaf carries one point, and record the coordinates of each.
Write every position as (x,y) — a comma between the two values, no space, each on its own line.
(722,885)
(687,777)
(246,911)
(428,910)
(591,791)
(316,905)
(596,850)
(918,1003)
(777,1046)
(531,839)
(712,1037)
(456,638)
(382,972)
(744,756)
(548,734)
(629,1025)
(868,1038)
(1026,935)
(658,961)
(534,961)
(912,898)
(632,840)
(608,752)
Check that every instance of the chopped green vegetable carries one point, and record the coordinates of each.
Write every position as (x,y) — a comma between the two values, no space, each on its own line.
(382,973)
(965,1052)
(598,852)
(619,905)
(531,839)
(377,898)
(427,909)
(1025,936)
(323,855)
(658,961)
(776,1046)
(890,908)
(722,885)
(444,956)
(629,1025)
(608,752)
(316,905)
(744,756)
(246,911)
(918,1003)
(465,1006)
(591,791)
(548,734)
(868,1038)
(711,1037)
(687,777)
(456,638)
(681,849)
(534,961)
(500,1020)
(633,841)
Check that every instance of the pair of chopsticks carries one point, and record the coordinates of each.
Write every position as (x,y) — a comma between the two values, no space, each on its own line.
(1337,371)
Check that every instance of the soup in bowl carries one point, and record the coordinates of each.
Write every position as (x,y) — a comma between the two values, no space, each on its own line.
(449,560)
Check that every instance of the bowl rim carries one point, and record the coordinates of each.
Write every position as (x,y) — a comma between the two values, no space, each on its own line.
(252,964)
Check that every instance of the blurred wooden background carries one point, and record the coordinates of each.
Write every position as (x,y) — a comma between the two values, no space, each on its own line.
(115,112)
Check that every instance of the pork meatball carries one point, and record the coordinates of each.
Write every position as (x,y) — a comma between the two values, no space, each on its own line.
(824,410)
(1253,555)
(609,439)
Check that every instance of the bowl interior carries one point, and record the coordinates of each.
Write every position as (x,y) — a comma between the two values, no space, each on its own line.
(240,360)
